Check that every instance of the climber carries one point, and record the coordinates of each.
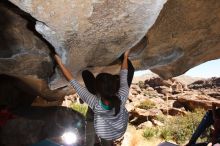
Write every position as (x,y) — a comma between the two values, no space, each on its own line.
(212,117)
(90,81)
(108,105)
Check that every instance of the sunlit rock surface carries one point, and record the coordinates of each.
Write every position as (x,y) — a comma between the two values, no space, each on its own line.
(186,34)
(92,33)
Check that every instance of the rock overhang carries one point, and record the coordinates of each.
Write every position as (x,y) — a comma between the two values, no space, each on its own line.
(168,37)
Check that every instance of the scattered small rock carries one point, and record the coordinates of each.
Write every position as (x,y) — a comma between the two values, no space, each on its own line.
(147,124)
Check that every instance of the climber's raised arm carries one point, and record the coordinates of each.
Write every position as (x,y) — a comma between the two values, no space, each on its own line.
(124,64)
(124,89)
(66,71)
(84,94)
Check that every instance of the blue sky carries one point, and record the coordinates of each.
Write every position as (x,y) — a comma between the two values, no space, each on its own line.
(205,70)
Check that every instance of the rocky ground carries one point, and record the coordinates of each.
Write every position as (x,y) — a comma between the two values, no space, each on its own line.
(152,96)
(174,95)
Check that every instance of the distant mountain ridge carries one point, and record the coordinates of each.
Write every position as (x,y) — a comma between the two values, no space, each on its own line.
(184,79)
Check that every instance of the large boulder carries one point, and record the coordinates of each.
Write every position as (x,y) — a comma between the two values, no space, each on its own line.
(22,51)
(192,104)
(92,33)
(185,35)
(25,58)
(207,84)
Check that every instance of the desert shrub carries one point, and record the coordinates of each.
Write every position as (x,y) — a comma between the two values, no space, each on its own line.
(147,104)
(178,128)
(161,118)
(150,132)
(181,128)
(81,108)
(165,134)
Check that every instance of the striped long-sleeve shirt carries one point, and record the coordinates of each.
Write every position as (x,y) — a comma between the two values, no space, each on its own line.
(107,125)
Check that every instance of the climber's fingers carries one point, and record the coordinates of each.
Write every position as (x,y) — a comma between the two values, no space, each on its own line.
(126,53)
(57,59)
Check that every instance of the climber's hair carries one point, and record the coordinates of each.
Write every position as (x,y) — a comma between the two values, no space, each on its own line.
(107,86)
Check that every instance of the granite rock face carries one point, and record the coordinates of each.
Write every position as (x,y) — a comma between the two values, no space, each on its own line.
(22,52)
(167,36)
(24,56)
(186,34)
(91,33)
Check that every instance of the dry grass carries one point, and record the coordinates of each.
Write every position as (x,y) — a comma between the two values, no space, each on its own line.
(147,104)
(178,129)
(181,128)
(134,137)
